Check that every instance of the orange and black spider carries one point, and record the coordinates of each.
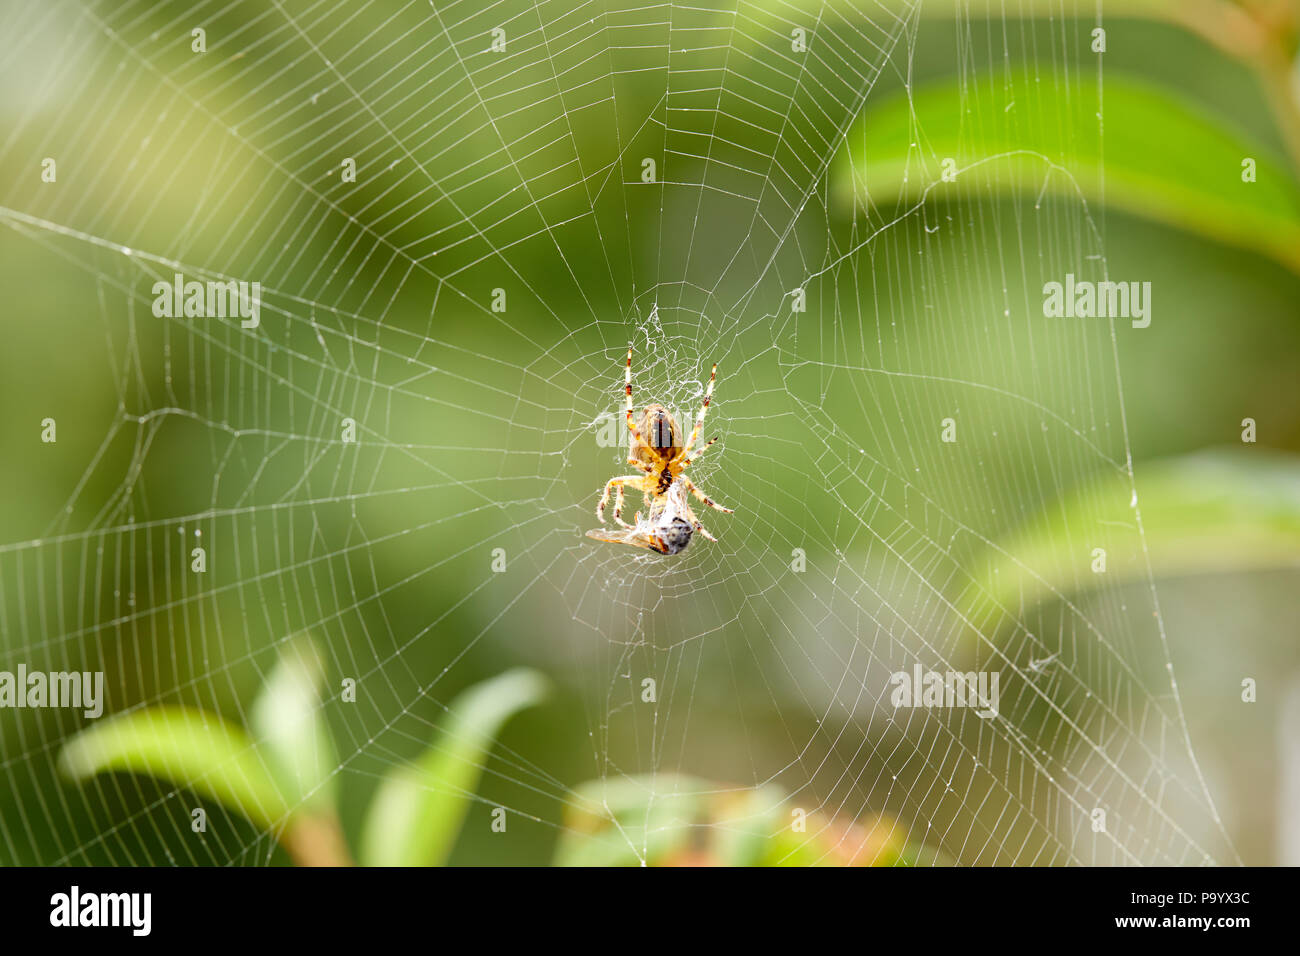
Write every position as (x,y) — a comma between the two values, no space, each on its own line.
(655,449)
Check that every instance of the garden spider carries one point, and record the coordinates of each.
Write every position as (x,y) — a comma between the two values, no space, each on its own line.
(655,449)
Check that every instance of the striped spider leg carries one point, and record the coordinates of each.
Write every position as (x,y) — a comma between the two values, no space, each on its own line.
(685,458)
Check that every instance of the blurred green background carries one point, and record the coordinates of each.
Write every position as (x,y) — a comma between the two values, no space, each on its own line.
(780,174)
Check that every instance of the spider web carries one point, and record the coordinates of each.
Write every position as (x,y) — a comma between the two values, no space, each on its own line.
(847,328)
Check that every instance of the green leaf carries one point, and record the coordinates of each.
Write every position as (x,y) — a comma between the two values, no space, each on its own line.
(287,717)
(746,824)
(869,841)
(1160,156)
(188,748)
(627,821)
(670,819)
(1211,512)
(418,810)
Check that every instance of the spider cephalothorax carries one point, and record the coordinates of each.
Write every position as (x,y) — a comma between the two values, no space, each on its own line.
(655,449)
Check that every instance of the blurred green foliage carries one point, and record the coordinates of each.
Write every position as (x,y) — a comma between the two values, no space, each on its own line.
(417,811)
(284,782)
(673,820)
(1163,156)
(1219,512)
(1179,117)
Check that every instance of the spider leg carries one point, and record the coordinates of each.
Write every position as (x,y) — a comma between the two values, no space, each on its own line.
(695,523)
(618,509)
(690,486)
(704,408)
(705,531)
(686,461)
(609,486)
(627,385)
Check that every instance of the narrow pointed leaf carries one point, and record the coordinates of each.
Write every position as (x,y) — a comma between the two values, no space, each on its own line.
(187,748)
(287,718)
(1132,145)
(418,810)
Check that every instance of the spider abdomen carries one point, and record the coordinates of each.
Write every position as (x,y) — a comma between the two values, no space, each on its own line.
(660,432)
